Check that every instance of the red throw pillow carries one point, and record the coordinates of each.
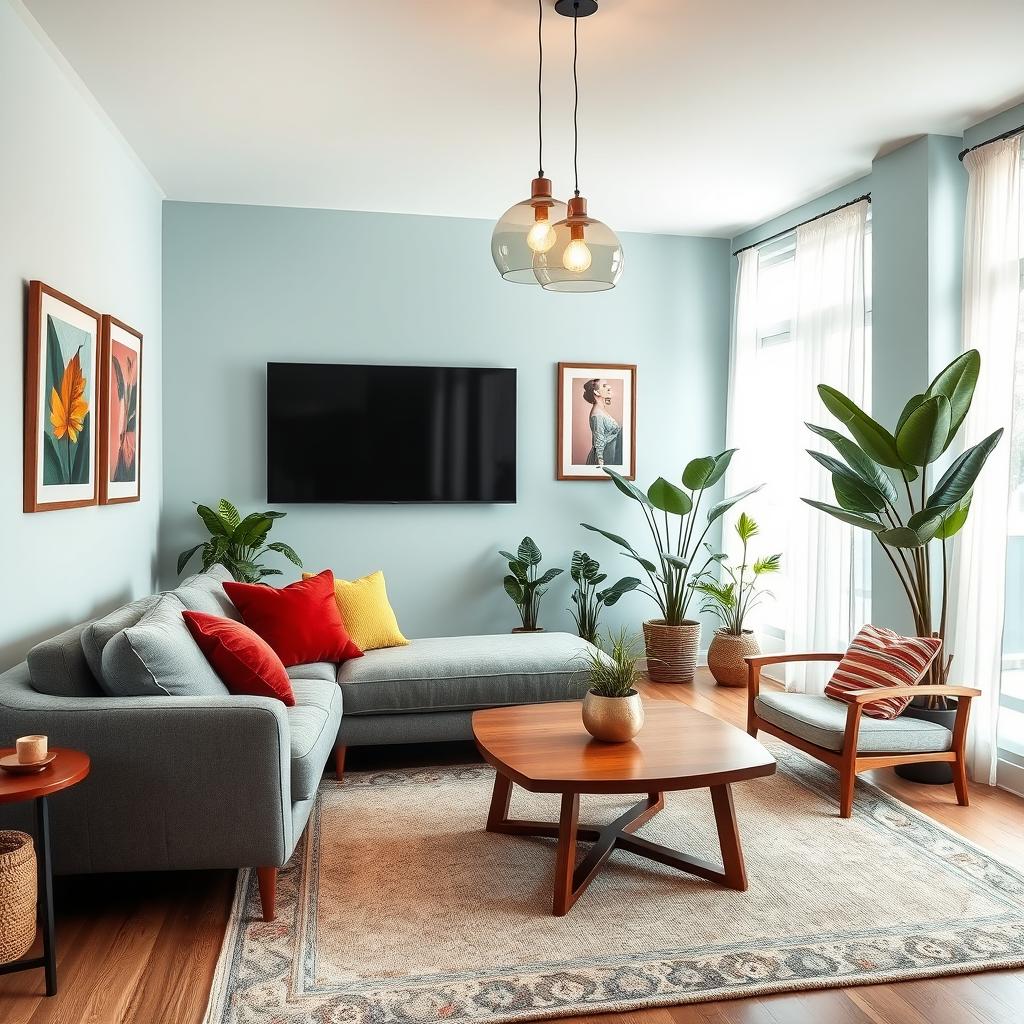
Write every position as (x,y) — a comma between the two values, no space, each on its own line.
(879,657)
(301,622)
(245,663)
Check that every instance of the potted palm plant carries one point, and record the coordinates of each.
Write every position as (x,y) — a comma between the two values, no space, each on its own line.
(612,708)
(881,486)
(730,600)
(587,599)
(671,514)
(523,584)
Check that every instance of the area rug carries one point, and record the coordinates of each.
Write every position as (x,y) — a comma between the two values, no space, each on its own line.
(399,908)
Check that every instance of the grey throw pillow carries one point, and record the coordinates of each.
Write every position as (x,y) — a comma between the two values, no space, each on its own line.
(205,593)
(157,657)
(98,634)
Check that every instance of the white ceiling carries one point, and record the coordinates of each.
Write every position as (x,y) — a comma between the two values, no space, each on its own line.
(695,117)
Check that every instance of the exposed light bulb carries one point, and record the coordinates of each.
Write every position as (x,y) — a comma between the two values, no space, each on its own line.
(576,257)
(541,236)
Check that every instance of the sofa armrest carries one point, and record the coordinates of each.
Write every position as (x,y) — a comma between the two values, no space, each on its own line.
(175,782)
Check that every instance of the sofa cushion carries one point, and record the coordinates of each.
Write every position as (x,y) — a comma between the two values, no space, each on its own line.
(367,612)
(98,634)
(58,667)
(465,672)
(158,657)
(326,671)
(313,727)
(205,593)
(822,721)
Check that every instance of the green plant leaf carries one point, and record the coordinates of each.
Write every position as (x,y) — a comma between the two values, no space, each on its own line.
(645,562)
(957,382)
(667,497)
(519,569)
(270,572)
(53,464)
(613,537)
(529,553)
(676,561)
(912,403)
(856,496)
(851,518)
(869,434)
(212,521)
(251,530)
(859,462)
(54,356)
(746,528)
(922,438)
(514,589)
(284,549)
(707,471)
(549,576)
(80,463)
(901,537)
(723,506)
(627,487)
(955,518)
(770,563)
(228,513)
(926,522)
(186,555)
(959,479)
(611,594)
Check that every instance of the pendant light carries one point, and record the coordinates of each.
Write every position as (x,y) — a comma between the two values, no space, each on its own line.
(528,227)
(586,255)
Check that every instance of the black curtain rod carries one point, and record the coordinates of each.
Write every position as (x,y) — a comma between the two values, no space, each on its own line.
(810,220)
(988,142)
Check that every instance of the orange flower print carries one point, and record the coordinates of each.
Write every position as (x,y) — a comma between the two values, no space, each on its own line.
(68,409)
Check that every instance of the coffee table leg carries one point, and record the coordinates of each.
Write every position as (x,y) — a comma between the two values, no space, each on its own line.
(565,862)
(46,894)
(501,797)
(729,838)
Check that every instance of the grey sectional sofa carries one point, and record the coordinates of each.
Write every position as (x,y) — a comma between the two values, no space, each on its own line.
(222,781)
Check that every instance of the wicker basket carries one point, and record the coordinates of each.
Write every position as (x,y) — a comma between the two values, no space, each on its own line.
(17,895)
(671,650)
(726,654)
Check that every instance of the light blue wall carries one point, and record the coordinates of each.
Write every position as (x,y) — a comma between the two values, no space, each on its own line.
(1006,121)
(244,285)
(78,212)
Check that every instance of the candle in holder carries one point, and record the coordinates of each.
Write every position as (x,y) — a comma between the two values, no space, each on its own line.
(31,749)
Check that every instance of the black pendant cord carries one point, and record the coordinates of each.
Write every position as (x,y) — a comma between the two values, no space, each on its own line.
(540,88)
(576,102)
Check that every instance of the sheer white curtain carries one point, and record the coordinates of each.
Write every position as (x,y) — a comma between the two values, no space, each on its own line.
(991,317)
(829,348)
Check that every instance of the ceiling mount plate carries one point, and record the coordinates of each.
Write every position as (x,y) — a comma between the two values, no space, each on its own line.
(577,8)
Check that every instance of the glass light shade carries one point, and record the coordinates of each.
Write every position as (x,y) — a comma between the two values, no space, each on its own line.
(586,256)
(525,230)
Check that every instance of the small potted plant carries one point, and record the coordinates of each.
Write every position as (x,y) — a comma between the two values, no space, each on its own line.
(612,708)
(730,600)
(524,585)
(588,600)
(671,514)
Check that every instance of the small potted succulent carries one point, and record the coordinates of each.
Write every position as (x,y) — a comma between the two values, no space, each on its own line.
(525,586)
(612,708)
(730,600)
(588,599)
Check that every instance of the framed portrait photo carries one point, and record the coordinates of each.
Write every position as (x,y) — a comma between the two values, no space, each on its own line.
(61,358)
(120,412)
(596,420)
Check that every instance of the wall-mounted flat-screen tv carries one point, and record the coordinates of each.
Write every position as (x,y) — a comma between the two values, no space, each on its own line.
(338,432)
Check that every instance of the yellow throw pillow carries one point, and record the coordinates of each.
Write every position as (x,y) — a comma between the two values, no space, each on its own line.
(366,612)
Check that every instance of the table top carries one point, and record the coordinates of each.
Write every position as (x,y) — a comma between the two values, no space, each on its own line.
(545,748)
(67,768)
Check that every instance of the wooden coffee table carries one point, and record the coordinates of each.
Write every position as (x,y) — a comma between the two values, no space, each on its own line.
(545,749)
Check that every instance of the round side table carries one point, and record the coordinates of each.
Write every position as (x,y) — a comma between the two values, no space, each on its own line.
(68,768)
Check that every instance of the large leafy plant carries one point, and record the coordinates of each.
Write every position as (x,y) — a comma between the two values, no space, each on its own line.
(678,533)
(881,485)
(524,584)
(238,543)
(588,599)
(731,599)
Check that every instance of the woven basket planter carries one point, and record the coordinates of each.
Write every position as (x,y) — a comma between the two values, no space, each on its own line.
(726,654)
(671,651)
(17,895)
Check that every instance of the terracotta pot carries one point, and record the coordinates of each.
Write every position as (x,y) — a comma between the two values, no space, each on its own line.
(931,773)
(671,650)
(726,654)
(613,719)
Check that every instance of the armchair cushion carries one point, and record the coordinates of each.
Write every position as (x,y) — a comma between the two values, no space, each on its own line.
(822,721)
(879,657)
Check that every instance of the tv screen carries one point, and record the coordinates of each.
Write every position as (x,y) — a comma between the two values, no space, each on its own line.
(338,432)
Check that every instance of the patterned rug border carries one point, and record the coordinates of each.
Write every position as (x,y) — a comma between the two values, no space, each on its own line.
(246,902)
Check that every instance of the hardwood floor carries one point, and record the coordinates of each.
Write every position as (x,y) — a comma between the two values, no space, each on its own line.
(142,948)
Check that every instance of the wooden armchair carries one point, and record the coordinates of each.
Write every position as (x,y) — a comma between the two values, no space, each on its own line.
(837,734)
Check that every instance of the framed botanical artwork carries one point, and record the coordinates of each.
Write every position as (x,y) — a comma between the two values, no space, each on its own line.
(60,401)
(120,412)
(596,420)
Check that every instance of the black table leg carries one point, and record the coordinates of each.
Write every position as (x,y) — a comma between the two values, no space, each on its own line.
(46,894)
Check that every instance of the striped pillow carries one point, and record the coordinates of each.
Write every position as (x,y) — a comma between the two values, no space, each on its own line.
(880,657)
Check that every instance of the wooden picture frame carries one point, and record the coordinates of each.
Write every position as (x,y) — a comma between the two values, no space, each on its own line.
(61,357)
(596,421)
(120,450)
